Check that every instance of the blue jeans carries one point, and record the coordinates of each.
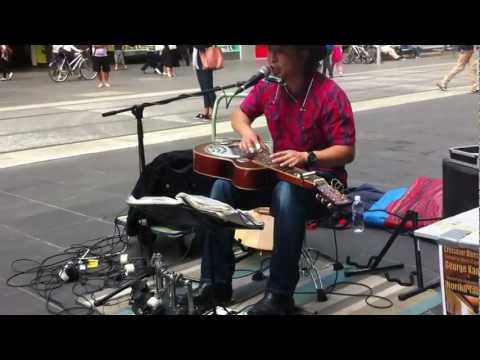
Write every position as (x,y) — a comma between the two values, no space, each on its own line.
(291,206)
(415,49)
(205,79)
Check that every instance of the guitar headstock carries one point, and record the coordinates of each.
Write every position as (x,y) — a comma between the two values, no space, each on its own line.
(328,195)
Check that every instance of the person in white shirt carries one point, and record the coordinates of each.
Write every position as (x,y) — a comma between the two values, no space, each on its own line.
(101,65)
(5,55)
(389,50)
(69,51)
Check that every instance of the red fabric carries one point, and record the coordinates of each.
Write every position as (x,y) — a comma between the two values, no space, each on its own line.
(261,51)
(337,54)
(424,196)
(326,121)
(342,223)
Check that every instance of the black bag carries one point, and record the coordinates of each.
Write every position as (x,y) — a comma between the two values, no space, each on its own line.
(167,175)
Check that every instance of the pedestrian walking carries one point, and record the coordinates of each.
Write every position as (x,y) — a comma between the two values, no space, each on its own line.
(205,79)
(184,53)
(5,58)
(337,59)
(466,56)
(101,64)
(119,57)
(327,61)
(168,58)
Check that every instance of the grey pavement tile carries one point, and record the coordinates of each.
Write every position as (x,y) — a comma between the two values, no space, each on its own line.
(13,208)
(105,207)
(6,290)
(21,303)
(45,191)
(14,245)
(47,220)
(77,233)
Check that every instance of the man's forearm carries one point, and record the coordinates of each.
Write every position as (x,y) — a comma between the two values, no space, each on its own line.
(241,123)
(335,156)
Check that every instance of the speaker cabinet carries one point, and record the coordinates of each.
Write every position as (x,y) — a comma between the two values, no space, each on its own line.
(460,187)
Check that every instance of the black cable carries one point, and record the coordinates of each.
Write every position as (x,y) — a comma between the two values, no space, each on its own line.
(367,296)
(43,277)
(431,219)
(401,217)
(229,101)
(330,289)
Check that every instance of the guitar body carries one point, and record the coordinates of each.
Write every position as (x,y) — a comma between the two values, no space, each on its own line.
(257,172)
(244,175)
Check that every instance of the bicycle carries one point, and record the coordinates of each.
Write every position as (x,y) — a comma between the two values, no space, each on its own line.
(360,54)
(60,69)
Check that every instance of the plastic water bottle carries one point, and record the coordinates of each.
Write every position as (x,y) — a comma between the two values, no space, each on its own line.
(357,215)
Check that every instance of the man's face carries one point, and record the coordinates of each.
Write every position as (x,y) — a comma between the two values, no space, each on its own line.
(285,61)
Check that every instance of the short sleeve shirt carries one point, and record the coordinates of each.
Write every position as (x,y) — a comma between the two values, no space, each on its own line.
(326,119)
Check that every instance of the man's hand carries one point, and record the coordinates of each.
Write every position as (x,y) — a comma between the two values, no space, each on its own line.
(289,158)
(252,142)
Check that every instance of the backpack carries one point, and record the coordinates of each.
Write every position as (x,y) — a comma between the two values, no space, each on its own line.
(167,175)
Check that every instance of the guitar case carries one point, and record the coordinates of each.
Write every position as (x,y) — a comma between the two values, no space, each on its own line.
(167,175)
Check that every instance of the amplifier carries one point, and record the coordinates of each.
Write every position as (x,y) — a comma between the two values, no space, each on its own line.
(460,180)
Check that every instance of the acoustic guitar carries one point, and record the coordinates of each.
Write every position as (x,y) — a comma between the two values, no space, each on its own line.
(225,160)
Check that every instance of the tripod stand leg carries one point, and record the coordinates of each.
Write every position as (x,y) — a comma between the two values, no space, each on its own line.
(419,290)
(373,270)
(418,262)
(372,266)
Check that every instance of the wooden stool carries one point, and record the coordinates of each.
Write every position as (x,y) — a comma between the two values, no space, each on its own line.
(262,240)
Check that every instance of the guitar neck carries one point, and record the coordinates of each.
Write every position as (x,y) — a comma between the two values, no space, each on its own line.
(294,175)
(306,179)
(211,158)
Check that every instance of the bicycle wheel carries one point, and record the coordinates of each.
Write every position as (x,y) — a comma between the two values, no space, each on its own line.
(372,53)
(86,70)
(58,72)
(366,58)
(357,58)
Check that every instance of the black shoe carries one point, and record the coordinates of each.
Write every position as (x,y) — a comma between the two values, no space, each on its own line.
(273,304)
(206,296)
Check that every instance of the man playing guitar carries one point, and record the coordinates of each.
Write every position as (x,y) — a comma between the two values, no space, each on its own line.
(311,123)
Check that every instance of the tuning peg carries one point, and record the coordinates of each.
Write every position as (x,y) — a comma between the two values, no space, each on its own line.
(318,197)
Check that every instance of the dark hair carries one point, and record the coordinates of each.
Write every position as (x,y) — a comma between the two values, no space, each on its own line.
(316,53)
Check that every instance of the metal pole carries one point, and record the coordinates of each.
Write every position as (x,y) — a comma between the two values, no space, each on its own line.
(379,55)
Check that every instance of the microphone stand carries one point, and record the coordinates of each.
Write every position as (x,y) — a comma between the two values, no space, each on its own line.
(137,111)
(128,284)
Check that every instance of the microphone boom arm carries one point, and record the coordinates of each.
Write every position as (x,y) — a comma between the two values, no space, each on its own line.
(137,111)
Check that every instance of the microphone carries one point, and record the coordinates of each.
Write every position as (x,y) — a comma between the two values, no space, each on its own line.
(263,72)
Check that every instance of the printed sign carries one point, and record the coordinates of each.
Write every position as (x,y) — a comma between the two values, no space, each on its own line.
(460,280)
